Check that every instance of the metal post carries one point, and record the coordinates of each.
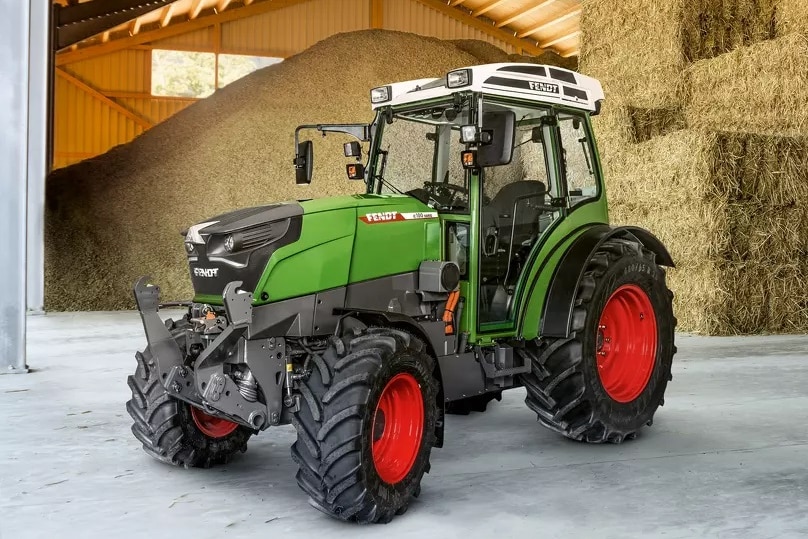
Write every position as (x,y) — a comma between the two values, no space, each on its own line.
(40,72)
(17,30)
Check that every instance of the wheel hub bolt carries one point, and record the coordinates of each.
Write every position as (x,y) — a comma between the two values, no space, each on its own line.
(176,387)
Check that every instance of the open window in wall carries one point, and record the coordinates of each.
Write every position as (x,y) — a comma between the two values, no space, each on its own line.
(193,74)
(235,66)
(182,73)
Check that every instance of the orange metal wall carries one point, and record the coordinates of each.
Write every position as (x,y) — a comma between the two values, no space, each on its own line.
(87,125)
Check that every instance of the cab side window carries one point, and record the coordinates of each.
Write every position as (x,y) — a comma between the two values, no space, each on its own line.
(577,159)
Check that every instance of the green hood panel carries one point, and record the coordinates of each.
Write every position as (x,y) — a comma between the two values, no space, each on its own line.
(349,239)
(359,201)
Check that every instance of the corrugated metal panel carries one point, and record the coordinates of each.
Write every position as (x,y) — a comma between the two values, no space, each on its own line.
(288,31)
(123,71)
(84,126)
(412,16)
(198,40)
(156,110)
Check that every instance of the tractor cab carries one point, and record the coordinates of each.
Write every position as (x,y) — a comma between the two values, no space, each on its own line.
(502,152)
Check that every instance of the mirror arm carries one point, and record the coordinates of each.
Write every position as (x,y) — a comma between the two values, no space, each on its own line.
(359,131)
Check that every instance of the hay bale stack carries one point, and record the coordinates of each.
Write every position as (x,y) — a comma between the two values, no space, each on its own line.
(792,16)
(762,88)
(730,208)
(639,49)
(703,142)
(118,216)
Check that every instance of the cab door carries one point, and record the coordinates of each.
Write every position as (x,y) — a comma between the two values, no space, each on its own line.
(519,205)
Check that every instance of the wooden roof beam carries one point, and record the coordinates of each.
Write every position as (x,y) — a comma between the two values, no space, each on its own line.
(570,13)
(134,28)
(522,12)
(222,5)
(485,8)
(528,47)
(559,39)
(168,12)
(196,7)
(182,27)
(454,3)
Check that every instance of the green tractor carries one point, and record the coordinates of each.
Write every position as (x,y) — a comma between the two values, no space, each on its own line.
(479,259)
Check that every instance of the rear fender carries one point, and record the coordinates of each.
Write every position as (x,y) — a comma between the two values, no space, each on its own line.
(558,309)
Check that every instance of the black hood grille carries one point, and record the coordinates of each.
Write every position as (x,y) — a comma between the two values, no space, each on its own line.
(256,234)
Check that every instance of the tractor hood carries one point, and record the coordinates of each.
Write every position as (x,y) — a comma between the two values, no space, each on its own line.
(293,249)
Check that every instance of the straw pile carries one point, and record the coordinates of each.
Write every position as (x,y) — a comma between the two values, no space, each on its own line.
(703,141)
(486,53)
(118,216)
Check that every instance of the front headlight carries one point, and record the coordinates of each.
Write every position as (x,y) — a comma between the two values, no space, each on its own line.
(229,243)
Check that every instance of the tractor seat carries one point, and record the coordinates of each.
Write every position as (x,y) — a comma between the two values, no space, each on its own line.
(499,212)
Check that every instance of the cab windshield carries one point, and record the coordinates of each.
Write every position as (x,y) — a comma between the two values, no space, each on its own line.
(419,155)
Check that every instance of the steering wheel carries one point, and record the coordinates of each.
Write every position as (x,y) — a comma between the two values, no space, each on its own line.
(444,193)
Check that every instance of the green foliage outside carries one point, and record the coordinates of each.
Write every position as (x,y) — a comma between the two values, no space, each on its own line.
(192,74)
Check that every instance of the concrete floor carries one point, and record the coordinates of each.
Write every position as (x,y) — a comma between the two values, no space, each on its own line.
(727,457)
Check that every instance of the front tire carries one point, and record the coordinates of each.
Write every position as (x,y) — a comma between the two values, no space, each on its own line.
(606,381)
(172,430)
(366,425)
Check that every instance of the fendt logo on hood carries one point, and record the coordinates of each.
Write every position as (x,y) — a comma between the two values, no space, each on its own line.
(206,272)
(392,216)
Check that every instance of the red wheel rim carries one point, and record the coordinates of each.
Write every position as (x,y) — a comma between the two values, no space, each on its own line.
(212,426)
(626,343)
(398,427)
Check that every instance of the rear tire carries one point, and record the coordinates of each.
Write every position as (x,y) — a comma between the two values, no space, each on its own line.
(171,430)
(606,381)
(366,425)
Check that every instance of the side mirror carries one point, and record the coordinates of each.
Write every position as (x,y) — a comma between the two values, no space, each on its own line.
(502,128)
(304,162)
(352,149)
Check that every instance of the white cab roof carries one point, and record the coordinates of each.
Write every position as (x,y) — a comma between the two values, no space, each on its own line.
(532,82)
